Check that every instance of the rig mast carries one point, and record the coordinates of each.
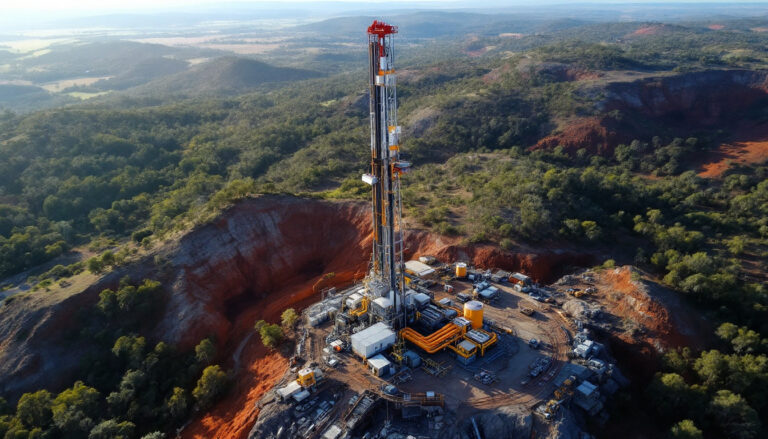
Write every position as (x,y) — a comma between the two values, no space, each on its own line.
(387,265)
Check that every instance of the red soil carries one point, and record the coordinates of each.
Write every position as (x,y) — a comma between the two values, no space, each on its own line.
(234,416)
(716,26)
(347,225)
(648,30)
(596,135)
(672,106)
(748,147)
(634,304)
(660,318)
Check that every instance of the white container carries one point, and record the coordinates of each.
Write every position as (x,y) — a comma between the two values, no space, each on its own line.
(373,340)
(370,179)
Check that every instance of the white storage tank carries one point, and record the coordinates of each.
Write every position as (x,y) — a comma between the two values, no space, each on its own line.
(372,340)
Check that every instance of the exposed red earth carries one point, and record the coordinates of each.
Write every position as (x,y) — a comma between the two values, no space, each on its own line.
(749,146)
(666,106)
(260,256)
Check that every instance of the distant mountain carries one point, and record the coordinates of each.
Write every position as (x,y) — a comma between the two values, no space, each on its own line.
(142,73)
(108,58)
(225,75)
(432,24)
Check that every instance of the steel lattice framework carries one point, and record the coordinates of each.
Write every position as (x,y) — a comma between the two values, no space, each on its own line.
(387,265)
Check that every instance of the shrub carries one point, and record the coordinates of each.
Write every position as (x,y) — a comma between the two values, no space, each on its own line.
(210,385)
(289,318)
(271,335)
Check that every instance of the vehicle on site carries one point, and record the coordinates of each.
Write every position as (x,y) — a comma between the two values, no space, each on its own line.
(463,297)
(527,311)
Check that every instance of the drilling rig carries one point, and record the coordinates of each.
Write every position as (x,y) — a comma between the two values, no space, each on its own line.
(385,278)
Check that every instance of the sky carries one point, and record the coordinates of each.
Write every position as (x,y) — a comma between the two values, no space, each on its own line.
(18,14)
(135,5)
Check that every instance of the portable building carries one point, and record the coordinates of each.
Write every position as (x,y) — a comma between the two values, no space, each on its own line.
(419,269)
(289,390)
(379,365)
(372,340)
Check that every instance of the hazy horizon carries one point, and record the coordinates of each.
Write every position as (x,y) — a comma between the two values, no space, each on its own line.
(35,12)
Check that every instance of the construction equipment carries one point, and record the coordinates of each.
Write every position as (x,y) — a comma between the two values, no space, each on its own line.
(486,377)
(561,395)
(576,292)
(527,311)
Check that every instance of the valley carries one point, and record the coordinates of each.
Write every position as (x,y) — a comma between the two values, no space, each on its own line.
(167,194)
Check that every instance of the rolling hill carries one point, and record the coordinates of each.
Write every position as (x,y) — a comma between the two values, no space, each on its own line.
(226,75)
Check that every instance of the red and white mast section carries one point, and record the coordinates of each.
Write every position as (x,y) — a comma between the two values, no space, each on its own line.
(387,265)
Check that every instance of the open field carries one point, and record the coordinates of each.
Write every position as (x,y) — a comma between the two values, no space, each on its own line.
(58,86)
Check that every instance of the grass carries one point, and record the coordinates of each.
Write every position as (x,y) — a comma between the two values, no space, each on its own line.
(32,44)
(83,95)
(57,86)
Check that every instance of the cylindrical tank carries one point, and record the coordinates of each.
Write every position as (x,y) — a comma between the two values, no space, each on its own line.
(473,311)
(461,270)
(306,377)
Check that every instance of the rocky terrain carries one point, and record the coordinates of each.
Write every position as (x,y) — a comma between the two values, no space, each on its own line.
(257,258)
(636,316)
(660,105)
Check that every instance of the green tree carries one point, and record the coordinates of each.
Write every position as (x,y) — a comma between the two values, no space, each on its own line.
(75,409)
(258,325)
(154,435)
(677,361)
(736,419)
(685,429)
(108,259)
(271,335)
(712,367)
(205,351)
(747,341)
(130,348)
(111,429)
(289,318)
(736,245)
(591,230)
(727,331)
(108,303)
(209,386)
(672,395)
(34,409)
(177,403)
(95,265)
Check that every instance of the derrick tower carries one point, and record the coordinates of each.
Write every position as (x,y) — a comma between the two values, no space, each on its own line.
(387,266)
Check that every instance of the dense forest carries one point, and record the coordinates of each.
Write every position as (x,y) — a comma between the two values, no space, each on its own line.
(129,388)
(110,176)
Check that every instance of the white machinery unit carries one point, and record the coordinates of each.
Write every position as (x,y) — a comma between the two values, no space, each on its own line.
(379,365)
(372,340)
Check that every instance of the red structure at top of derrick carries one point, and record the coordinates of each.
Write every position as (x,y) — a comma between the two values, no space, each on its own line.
(381,29)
